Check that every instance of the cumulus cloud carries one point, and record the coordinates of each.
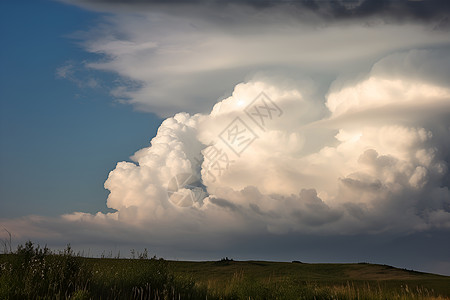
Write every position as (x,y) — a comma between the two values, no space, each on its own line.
(363,176)
(373,158)
(248,165)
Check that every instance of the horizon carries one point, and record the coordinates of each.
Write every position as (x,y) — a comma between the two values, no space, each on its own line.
(146,255)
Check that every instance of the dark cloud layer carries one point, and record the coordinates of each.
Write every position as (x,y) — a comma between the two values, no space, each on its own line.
(404,251)
(395,10)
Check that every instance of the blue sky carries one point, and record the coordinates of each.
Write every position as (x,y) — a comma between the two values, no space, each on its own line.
(58,141)
(354,166)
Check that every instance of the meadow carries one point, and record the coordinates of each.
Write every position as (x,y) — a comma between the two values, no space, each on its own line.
(32,272)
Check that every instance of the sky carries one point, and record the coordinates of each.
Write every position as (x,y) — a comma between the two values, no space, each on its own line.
(279,130)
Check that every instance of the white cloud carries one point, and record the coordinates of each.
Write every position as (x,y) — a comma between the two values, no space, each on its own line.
(171,57)
(374,175)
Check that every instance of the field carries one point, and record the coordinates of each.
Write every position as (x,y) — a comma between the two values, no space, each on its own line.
(35,273)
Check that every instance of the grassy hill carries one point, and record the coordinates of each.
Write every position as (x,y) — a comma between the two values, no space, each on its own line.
(304,271)
(34,273)
(366,281)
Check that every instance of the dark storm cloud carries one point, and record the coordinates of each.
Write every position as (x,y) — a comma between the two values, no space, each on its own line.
(394,10)
(314,211)
(423,10)
(224,204)
(405,251)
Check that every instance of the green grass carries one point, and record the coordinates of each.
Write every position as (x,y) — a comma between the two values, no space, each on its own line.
(34,273)
(281,280)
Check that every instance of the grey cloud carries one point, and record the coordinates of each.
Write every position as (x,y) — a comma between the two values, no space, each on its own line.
(400,251)
(224,204)
(270,214)
(361,185)
(393,10)
(358,211)
(314,211)
(421,10)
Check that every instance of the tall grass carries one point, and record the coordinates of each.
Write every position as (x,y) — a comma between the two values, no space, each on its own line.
(240,287)
(32,272)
